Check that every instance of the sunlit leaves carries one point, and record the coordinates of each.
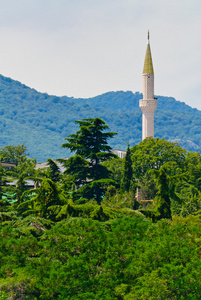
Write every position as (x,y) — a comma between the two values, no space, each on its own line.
(124,258)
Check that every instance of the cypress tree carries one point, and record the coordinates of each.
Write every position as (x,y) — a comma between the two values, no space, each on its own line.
(127,171)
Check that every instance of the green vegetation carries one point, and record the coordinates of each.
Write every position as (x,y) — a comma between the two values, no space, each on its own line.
(81,234)
(42,121)
(127,174)
(78,258)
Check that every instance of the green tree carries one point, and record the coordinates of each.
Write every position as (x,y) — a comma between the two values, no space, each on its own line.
(2,180)
(166,191)
(152,153)
(115,167)
(95,189)
(77,168)
(193,169)
(53,171)
(91,142)
(147,185)
(163,194)
(16,154)
(46,203)
(23,171)
(127,171)
(49,195)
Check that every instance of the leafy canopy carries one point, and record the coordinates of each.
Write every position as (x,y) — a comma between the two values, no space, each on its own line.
(14,154)
(152,153)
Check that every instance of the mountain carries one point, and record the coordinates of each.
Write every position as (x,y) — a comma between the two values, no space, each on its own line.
(42,122)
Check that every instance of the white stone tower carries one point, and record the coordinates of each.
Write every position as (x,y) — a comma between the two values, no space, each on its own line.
(148,104)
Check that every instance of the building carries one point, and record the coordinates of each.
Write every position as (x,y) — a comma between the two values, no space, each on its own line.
(7,164)
(148,104)
(120,153)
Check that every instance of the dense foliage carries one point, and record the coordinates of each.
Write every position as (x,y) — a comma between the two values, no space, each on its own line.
(42,121)
(77,235)
(126,258)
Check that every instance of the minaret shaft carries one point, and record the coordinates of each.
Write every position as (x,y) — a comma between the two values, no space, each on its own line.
(148,86)
(148,104)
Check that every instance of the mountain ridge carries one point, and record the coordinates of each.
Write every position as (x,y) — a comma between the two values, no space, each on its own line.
(42,121)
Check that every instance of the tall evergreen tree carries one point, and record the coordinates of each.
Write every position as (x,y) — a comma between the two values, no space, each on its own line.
(90,142)
(166,192)
(77,168)
(127,171)
(53,170)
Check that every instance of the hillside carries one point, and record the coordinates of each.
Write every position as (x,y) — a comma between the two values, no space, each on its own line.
(42,121)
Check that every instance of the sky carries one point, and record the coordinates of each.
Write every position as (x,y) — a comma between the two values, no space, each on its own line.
(83,48)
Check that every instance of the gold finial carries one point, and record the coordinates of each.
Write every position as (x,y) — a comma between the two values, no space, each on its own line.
(148,66)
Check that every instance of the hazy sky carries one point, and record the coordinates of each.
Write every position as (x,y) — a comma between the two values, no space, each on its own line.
(83,48)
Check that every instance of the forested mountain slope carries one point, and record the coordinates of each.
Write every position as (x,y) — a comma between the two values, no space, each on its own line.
(42,121)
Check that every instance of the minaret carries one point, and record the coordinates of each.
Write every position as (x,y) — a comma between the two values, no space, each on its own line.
(148,104)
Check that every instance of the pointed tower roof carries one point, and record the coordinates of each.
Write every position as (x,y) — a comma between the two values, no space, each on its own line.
(148,65)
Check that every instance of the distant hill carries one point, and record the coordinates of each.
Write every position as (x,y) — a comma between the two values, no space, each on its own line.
(42,121)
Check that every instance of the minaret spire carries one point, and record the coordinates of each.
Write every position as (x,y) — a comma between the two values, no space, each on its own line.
(148,65)
(148,104)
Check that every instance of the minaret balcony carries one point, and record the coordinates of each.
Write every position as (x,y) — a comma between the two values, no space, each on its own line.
(148,103)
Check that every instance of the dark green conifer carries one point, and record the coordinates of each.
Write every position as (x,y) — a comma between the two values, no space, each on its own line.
(127,171)
(53,170)
(90,142)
